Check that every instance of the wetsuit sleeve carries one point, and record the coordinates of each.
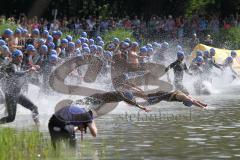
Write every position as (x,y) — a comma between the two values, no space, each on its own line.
(234,72)
(170,66)
(215,65)
(2,71)
(191,67)
(186,69)
(13,70)
(129,101)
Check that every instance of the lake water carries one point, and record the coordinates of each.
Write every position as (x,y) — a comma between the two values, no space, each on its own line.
(170,131)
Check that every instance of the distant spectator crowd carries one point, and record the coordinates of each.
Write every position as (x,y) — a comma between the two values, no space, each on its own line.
(167,27)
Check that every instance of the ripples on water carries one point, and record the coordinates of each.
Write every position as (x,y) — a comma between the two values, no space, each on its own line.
(194,134)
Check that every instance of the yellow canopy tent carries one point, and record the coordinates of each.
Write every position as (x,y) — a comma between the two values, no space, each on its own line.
(221,55)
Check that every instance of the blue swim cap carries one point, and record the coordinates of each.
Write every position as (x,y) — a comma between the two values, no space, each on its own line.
(8,32)
(45,32)
(149,45)
(54,33)
(165,45)
(125,45)
(156,45)
(24,31)
(233,54)
(84,34)
(77,109)
(180,54)
(128,40)
(53,57)
(4,48)
(229,60)
(71,45)
(53,51)
(64,41)
(91,41)
(99,49)
(199,53)
(30,48)
(150,50)
(116,40)
(35,31)
(108,54)
(84,45)
(93,48)
(2,42)
(111,46)
(212,52)
(17,53)
(86,50)
(44,48)
(199,59)
(59,33)
(78,41)
(135,44)
(98,39)
(83,116)
(69,38)
(101,43)
(18,31)
(51,45)
(41,41)
(50,38)
(82,39)
(143,50)
(206,53)
(179,48)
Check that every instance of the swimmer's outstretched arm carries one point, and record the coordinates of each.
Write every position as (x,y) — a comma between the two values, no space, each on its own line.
(93,129)
(136,104)
(199,104)
(196,102)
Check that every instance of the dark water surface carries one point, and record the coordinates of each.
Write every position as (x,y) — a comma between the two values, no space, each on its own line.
(170,131)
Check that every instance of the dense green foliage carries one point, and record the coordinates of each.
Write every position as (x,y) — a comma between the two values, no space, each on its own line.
(120,8)
(229,39)
(198,6)
(119,33)
(4,24)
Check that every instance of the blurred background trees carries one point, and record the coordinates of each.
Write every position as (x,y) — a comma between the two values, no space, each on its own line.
(119,8)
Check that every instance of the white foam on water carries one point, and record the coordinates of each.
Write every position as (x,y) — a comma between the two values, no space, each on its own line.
(210,108)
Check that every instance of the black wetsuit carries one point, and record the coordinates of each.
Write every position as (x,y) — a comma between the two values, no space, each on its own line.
(207,68)
(98,100)
(159,96)
(178,67)
(61,124)
(13,82)
(110,97)
(47,68)
(198,71)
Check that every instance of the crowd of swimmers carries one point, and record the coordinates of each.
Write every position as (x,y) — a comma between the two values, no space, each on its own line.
(31,57)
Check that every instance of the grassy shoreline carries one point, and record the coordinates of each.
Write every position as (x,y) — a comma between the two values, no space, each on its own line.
(33,144)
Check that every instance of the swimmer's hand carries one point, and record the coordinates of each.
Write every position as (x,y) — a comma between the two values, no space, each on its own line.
(147,110)
(32,69)
(37,67)
(144,108)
